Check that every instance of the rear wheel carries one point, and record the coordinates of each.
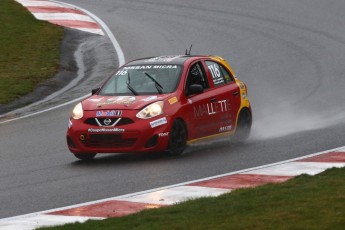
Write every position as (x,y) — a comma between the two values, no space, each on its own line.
(177,138)
(85,156)
(244,124)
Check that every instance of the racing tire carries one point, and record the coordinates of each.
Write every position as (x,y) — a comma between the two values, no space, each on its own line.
(85,156)
(244,124)
(177,138)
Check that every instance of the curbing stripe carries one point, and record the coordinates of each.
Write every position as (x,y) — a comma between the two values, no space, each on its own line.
(33,222)
(75,24)
(53,9)
(113,208)
(175,195)
(62,15)
(328,157)
(241,181)
(34,3)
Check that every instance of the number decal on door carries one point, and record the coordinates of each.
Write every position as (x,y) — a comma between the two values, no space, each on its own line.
(217,76)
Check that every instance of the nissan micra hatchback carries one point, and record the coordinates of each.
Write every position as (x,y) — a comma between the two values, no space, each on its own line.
(161,104)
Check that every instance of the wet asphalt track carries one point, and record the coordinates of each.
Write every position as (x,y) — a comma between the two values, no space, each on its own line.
(291,54)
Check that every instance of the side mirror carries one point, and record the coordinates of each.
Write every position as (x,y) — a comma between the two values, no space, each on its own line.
(195,89)
(93,91)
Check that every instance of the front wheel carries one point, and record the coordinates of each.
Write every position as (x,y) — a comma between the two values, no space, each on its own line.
(85,156)
(244,124)
(177,138)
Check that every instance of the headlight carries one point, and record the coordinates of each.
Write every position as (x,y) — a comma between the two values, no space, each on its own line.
(152,110)
(78,112)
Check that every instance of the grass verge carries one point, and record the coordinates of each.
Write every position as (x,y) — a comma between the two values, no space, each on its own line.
(29,51)
(305,202)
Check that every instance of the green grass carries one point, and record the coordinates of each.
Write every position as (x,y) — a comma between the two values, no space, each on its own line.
(29,51)
(305,202)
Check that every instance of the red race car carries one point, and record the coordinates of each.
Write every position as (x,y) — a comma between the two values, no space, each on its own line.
(161,104)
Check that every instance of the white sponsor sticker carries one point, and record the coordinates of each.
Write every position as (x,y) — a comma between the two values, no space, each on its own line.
(104,130)
(163,58)
(158,122)
(163,134)
(150,98)
(97,99)
(225,128)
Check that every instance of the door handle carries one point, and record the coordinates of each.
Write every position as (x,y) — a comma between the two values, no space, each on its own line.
(235,93)
(213,99)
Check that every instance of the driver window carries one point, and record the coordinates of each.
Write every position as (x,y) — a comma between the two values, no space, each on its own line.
(196,75)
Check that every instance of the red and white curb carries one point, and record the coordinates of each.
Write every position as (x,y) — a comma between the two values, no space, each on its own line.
(62,15)
(212,186)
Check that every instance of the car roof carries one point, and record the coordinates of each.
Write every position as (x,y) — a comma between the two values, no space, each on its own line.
(165,60)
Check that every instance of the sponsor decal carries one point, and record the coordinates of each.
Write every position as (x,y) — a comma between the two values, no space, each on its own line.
(121,73)
(163,59)
(172,100)
(109,113)
(105,130)
(151,98)
(138,67)
(211,108)
(96,99)
(158,122)
(122,100)
(126,100)
(225,128)
(165,66)
(163,134)
(144,67)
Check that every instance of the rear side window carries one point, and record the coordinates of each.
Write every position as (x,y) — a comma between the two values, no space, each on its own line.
(220,75)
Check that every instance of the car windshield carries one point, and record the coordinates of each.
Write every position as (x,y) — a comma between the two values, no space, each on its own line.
(143,79)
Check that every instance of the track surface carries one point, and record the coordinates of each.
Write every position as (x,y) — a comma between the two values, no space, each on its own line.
(291,54)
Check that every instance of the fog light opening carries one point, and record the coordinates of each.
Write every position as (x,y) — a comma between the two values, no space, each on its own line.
(152,142)
(70,143)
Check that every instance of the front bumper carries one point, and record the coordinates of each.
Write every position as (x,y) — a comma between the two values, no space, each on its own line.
(143,135)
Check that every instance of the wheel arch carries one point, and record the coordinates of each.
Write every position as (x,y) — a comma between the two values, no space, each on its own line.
(244,110)
(183,121)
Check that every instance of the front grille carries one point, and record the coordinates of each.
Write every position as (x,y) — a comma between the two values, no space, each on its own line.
(108,141)
(123,121)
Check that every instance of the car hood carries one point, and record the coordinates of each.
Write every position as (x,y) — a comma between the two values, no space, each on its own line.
(97,102)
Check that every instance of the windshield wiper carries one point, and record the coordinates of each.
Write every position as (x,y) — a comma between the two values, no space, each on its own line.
(129,86)
(158,86)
